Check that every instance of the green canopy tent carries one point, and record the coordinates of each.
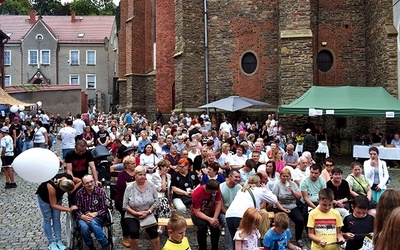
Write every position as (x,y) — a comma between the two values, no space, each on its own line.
(345,101)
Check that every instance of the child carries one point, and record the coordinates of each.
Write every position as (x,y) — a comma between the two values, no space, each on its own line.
(358,224)
(176,232)
(278,237)
(247,235)
(324,223)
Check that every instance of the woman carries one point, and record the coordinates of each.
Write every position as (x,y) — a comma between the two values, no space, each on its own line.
(212,174)
(377,173)
(327,172)
(125,177)
(149,160)
(273,176)
(389,201)
(158,146)
(277,158)
(238,160)
(162,180)
(88,136)
(127,141)
(28,135)
(173,157)
(341,192)
(113,135)
(390,237)
(193,151)
(50,195)
(40,136)
(121,129)
(263,133)
(155,133)
(251,195)
(359,185)
(140,201)
(288,192)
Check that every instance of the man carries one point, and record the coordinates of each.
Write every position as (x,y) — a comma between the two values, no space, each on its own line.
(290,157)
(229,189)
(79,125)
(301,172)
(310,143)
(7,157)
(16,132)
(207,202)
(128,118)
(103,137)
(253,130)
(166,149)
(143,141)
(67,137)
(217,142)
(183,119)
(242,137)
(247,150)
(258,146)
(226,127)
(310,186)
(91,203)
(255,156)
(79,161)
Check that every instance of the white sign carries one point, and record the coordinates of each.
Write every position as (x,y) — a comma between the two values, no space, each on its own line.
(330,112)
(389,114)
(311,112)
(318,112)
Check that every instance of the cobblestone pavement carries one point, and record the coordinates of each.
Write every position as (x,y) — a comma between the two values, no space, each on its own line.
(21,220)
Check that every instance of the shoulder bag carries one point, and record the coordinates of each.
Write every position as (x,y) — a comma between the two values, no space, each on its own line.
(372,204)
(252,197)
(147,222)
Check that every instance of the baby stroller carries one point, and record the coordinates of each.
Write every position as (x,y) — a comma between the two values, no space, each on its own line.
(100,154)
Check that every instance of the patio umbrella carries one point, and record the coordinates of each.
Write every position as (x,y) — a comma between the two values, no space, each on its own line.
(234,103)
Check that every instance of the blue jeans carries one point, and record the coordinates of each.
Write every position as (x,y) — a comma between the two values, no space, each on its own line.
(50,214)
(27,145)
(19,145)
(93,226)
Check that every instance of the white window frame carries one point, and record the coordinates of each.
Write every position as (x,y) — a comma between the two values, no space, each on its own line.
(71,76)
(87,81)
(41,57)
(87,57)
(70,57)
(5,80)
(29,57)
(7,55)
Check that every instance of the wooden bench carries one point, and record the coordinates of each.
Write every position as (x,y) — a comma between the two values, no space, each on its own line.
(164,222)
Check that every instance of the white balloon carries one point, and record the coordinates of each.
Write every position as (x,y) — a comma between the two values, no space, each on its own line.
(36,165)
(39,103)
(21,107)
(14,108)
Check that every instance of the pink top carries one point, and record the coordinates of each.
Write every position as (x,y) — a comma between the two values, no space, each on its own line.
(280,165)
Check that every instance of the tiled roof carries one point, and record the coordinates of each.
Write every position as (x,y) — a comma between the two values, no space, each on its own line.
(95,28)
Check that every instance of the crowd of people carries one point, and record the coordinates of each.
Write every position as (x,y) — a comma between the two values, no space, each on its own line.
(226,180)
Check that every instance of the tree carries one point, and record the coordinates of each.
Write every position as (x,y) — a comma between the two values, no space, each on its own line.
(93,7)
(48,7)
(15,7)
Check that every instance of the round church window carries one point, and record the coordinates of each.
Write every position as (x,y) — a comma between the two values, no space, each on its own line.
(325,60)
(249,63)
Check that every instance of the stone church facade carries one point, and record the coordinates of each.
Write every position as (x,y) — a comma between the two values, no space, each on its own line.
(268,50)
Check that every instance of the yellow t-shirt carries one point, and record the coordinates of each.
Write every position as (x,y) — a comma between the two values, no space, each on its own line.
(325,225)
(183,245)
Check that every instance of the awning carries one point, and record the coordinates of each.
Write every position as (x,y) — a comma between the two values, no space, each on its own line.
(7,99)
(345,101)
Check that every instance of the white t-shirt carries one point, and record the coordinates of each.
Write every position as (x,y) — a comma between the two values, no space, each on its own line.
(38,136)
(79,125)
(227,127)
(68,135)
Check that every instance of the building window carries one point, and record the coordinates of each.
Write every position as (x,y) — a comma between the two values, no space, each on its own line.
(7,57)
(74,79)
(249,63)
(32,57)
(45,57)
(90,57)
(325,60)
(90,81)
(74,57)
(7,80)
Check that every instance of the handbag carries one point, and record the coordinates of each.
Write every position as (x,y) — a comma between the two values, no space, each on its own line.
(147,222)
(252,197)
(372,204)
(164,209)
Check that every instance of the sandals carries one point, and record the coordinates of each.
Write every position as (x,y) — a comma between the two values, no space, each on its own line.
(300,243)
(126,244)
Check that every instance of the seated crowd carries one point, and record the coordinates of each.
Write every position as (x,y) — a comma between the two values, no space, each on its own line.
(215,178)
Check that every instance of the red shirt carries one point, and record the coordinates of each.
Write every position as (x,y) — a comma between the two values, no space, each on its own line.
(205,201)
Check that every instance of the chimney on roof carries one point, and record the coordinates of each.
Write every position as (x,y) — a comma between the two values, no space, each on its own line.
(32,15)
(72,16)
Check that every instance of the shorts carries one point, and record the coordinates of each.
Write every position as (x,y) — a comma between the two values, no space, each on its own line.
(7,160)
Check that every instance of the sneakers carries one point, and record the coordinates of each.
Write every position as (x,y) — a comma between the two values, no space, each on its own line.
(61,246)
(13,185)
(53,246)
(8,185)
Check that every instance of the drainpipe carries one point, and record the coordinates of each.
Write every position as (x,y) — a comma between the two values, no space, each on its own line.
(206,52)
